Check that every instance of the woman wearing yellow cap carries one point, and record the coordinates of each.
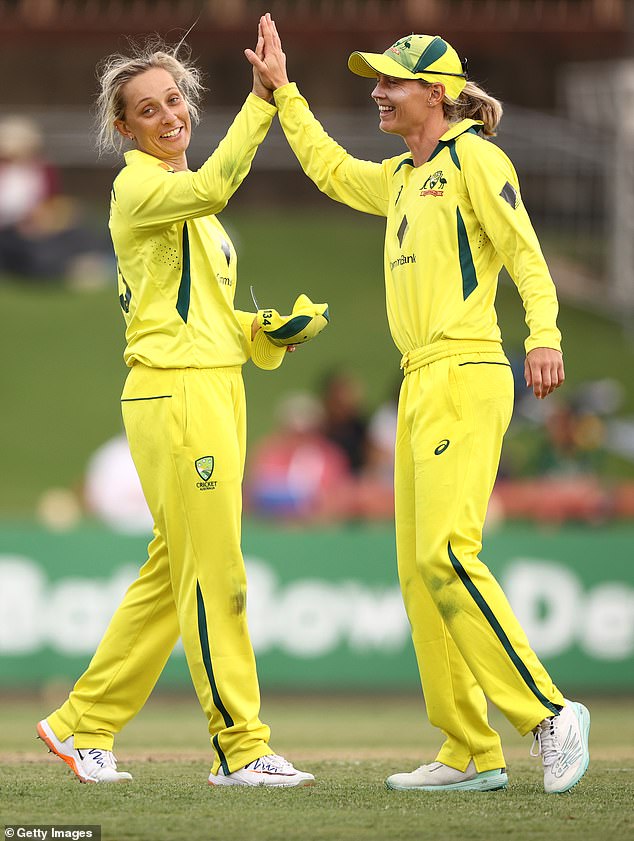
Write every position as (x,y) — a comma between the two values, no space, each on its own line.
(454,218)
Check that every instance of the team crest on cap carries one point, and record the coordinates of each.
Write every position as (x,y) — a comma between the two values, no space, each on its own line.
(204,467)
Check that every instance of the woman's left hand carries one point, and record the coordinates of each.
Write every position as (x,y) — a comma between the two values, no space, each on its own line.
(269,62)
(254,329)
(259,88)
(544,371)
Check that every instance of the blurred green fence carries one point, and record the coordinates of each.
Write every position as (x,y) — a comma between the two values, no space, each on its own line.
(324,604)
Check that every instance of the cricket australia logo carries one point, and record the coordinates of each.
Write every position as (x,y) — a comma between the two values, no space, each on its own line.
(434,185)
(205,468)
(403,42)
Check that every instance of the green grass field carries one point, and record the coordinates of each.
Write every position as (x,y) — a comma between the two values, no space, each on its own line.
(62,368)
(350,742)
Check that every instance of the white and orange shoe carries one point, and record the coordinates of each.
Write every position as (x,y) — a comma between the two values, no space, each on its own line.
(271,770)
(93,765)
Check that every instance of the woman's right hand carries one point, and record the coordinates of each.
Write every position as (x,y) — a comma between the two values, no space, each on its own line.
(271,68)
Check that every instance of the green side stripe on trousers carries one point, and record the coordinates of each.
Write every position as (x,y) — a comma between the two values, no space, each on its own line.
(499,632)
(221,756)
(204,645)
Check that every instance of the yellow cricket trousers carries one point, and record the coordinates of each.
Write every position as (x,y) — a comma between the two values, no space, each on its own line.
(187,434)
(453,413)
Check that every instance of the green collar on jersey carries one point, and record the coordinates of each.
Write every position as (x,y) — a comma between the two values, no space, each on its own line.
(448,141)
(460,128)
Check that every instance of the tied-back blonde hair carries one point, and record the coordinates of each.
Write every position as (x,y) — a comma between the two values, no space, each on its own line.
(474,103)
(116,70)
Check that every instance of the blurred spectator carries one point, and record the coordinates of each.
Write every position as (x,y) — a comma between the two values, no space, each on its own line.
(576,430)
(27,182)
(573,441)
(40,236)
(297,473)
(562,481)
(112,490)
(382,439)
(374,491)
(344,422)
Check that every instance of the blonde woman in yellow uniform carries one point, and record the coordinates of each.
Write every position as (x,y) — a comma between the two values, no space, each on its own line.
(184,414)
(454,217)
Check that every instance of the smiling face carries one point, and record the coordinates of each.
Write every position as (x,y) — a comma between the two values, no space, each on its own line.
(156,117)
(404,104)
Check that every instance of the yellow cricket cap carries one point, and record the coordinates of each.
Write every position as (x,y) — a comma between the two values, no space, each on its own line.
(265,354)
(427,57)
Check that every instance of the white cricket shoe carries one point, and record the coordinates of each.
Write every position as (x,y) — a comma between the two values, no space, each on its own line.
(271,770)
(93,765)
(562,742)
(440,777)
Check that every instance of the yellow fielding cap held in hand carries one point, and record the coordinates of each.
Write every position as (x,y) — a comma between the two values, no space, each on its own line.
(278,331)
(304,323)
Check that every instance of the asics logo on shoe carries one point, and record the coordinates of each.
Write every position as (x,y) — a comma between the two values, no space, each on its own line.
(571,752)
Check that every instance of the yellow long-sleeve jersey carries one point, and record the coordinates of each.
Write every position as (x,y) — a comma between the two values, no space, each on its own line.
(451,225)
(176,264)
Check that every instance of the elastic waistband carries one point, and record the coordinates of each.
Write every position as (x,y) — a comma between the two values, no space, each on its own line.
(420,356)
(143,380)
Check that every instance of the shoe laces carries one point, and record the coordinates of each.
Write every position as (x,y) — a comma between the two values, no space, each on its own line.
(272,764)
(546,741)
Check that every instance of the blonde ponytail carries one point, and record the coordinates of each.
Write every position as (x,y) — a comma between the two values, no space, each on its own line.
(474,103)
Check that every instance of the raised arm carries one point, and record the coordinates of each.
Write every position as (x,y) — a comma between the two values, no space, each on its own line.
(163,197)
(156,196)
(361,185)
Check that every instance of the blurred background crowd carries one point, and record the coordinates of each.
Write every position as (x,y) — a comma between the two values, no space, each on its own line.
(322,429)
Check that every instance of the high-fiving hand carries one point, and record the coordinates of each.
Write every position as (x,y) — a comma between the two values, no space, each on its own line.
(268,59)
(259,88)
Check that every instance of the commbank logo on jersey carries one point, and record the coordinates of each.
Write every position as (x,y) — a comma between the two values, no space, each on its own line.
(402,260)
(434,185)
(205,467)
